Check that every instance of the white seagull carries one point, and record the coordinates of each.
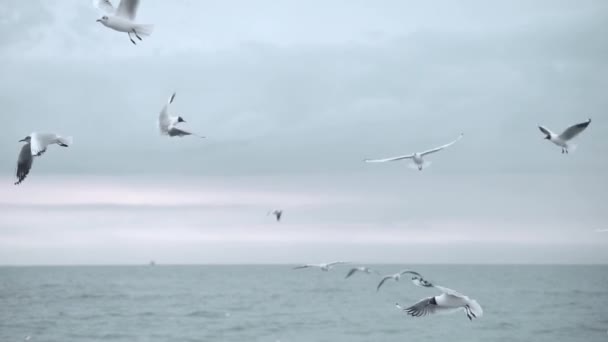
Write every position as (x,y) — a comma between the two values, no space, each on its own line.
(122,19)
(323,267)
(168,123)
(363,269)
(447,302)
(277,214)
(562,139)
(397,276)
(35,145)
(418,157)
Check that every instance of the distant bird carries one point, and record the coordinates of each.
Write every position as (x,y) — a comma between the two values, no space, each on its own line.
(168,123)
(561,140)
(35,145)
(123,18)
(277,214)
(360,269)
(417,157)
(449,301)
(397,276)
(323,267)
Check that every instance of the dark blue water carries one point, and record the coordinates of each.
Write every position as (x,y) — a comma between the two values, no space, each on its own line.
(275,303)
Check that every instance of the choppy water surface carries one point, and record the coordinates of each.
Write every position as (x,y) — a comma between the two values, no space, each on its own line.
(275,303)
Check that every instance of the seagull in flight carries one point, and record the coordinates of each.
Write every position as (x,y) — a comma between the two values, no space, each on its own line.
(323,267)
(363,269)
(397,276)
(35,145)
(277,214)
(122,19)
(562,139)
(418,157)
(447,302)
(168,123)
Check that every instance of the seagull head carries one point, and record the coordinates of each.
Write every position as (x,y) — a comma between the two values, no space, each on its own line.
(180,119)
(26,139)
(103,19)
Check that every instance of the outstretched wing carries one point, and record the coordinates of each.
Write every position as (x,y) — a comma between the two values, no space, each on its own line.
(426,306)
(545,130)
(24,163)
(382,282)
(449,291)
(575,130)
(163,119)
(104,5)
(409,156)
(127,9)
(437,149)
(351,272)
(410,272)
(303,266)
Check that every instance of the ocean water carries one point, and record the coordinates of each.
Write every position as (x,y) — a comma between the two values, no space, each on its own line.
(276,303)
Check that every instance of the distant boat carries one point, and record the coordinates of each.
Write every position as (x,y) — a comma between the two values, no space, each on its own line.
(152,263)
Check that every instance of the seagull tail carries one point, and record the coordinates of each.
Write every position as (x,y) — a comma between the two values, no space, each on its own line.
(66,140)
(144,30)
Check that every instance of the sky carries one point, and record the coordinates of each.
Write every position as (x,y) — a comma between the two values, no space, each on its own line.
(292,96)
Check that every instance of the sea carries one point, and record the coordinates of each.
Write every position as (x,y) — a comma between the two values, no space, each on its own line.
(276,303)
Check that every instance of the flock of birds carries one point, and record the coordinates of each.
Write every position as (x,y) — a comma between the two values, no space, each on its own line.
(448,301)
(122,19)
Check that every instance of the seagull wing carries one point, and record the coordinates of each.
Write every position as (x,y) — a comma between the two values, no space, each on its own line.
(40,141)
(437,149)
(382,281)
(449,291)
(410,272)
(409,156)
(104,5)
(127,9)
(163,119)
(351,272)
(575,130)
(545,130)
(24,163)
(304,266)
(426,306)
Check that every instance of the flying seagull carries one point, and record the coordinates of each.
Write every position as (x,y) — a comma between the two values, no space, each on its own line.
(418,157)
(447,302)
(35,145)
(122,19)
(360,269)
(323,267)
(397,276)
(561,140)
(277,214)
(168,123)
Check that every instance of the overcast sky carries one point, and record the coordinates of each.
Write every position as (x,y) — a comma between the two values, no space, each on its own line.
(292,95)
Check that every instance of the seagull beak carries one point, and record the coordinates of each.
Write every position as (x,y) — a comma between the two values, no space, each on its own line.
(22,140)
(98,20)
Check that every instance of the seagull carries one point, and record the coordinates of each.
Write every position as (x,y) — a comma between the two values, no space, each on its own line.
(35,145)
(277,213)
(561,140)
(417,157)
(168,124)
(397,276)
(122,19)
(360,269)
(323,267)
(449,301)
